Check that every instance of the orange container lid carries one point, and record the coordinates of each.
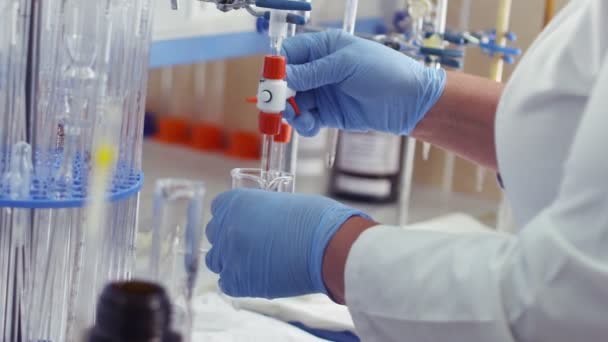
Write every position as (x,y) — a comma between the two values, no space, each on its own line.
(244,145)
(172,130)
(270,123)
(284,137)
(206,137)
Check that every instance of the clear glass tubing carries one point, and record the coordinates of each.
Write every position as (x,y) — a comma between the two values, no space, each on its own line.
(178,245)
(275,181)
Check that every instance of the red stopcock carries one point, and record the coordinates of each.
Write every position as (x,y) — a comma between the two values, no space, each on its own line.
(273,94)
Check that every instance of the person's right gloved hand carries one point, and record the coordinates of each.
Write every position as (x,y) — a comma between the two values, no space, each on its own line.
(355,84)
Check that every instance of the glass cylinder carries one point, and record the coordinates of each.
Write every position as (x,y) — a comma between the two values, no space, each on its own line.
(70,78)
(178,244)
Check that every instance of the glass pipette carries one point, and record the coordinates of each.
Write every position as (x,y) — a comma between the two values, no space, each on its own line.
(266,156)
(279,148)
(350,19)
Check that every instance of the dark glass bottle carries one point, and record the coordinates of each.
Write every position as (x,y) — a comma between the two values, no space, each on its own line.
(368,167)
(133,312)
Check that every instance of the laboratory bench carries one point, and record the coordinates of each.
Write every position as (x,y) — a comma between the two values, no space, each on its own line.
(170,161)
(218,318)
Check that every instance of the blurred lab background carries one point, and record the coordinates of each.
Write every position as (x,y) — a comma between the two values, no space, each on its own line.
(86,84)
(203,66)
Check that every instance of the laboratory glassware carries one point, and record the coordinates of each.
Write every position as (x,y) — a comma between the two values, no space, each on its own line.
(273,92)
(177,240)
(280,145)
(60,101)
(256,179)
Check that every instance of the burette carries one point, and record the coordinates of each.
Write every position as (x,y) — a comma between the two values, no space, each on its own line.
(273,92)
(350,20)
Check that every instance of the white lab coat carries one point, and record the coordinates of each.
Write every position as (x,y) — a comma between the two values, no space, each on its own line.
(550,281)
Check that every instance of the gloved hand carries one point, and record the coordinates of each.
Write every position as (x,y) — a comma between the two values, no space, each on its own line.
(355,84)
(271,245)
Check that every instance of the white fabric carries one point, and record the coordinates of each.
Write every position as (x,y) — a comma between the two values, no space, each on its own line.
(454,223)
(217,320)
(314,311)
(550,281)
(544,103)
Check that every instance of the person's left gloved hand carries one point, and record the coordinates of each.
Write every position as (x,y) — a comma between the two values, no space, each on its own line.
(271,245)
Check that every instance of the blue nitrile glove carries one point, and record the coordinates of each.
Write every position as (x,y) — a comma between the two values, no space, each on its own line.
(271,245)
(355,84)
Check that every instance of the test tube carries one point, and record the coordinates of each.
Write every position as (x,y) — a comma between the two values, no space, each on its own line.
(200,89)
(17,182)
(177,235)
(172,123)
(209,90)
(58,77)
(350,20)
(16,172)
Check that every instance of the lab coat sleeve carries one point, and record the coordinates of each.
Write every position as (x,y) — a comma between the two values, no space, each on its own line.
(548,283)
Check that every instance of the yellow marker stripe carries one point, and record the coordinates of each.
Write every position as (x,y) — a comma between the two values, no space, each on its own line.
(105,156)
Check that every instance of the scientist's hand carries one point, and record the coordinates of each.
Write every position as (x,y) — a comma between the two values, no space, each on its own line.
(271,245)
(356,84)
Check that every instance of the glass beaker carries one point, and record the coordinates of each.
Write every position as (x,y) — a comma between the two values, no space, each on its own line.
(254,179)
(178,244)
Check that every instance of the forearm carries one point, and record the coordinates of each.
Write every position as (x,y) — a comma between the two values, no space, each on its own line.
(462,121)
(334,260)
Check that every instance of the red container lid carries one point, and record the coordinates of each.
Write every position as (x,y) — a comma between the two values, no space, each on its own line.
(284,136)
(270,123)
(275,67)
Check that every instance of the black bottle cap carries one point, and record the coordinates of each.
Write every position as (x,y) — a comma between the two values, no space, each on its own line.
(133,311)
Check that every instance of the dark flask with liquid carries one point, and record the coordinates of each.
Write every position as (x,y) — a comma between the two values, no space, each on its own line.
(133,312)
(368,167)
